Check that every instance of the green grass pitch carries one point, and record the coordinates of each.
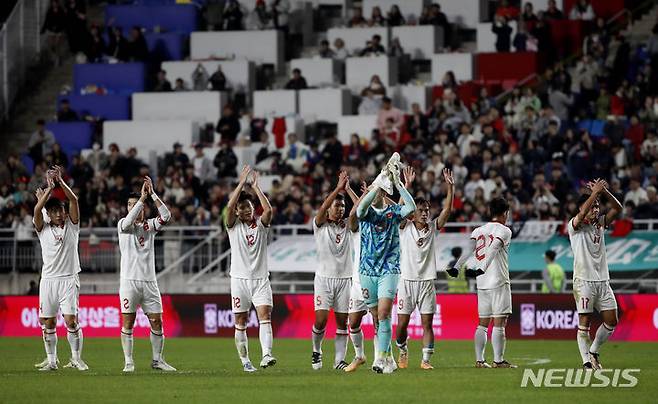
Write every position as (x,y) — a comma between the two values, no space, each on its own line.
(209,371)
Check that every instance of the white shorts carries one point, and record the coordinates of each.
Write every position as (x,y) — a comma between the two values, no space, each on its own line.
(59,293)
(590,295)
(412,294)
(134,293)
(495,302)
(357,304)
(244,292)
(331,293)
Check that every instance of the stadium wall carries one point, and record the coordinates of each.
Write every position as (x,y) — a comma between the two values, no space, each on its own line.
(534,316)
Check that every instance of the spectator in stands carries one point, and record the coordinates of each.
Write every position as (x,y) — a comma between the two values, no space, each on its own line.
(226,161)
(41,142)
(57,157)
(179,85)
(297,82)
(33,290)
(369,104)
(528,14)
(582,10)
(395,50)
(202,165)
(560,102)
(76,25)
(552,12)
(636,194)
(136,48)
(162,84)
(13,170)
(522,40)
(54,24)
(228,125)
(394,17)
(433,15)
(332,154)
(199,78)
(503,33)
(373,47)
(376,18)
(388,111)
(95,48)
(506,10)
(541,31)
(117,47)
(357,19)
(340,53)
(448,81)
(260,18)
(417,123)
(325,51)
(652,51)
(648,209)
(294,154)
(232,16)
(281,15)
(356,153)
(65,113)
(218,80)
(376,87)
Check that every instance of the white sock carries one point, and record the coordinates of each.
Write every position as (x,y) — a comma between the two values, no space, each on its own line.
(157,344)
(74,335)
(480,342)
(356,335)
(50,343)
(242,344)
(127,344)
(602,334)
(265,335)
(341,345)
(317,337)
(498,343)
(427,354)
(374,341)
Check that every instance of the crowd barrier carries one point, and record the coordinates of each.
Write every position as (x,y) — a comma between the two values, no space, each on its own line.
(534,316)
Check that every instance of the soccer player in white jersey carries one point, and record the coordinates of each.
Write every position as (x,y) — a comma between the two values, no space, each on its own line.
(591,286)
(250,282)
(138,284)
(59,288)
(418,264)
(490,243)
(332,284)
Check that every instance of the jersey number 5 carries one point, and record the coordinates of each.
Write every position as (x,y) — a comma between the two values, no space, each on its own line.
(481,244)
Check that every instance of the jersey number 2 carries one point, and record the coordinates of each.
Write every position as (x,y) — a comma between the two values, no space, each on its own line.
(479,247)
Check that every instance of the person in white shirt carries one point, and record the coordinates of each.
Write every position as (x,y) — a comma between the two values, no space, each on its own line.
(332,284)
(490,245)
(591,279)
(138,285)
(249,274)
(419,263)
(59,288)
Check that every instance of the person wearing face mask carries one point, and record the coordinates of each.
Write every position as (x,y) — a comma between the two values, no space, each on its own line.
(376,87)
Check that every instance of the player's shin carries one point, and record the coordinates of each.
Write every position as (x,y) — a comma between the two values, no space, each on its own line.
(127,344)
(265,336)
(157,343)
(341,346)
(583,342)
(74,336)
(356,335)
(480,342)
(317,338)
(602,334)
(50,343)
(498,342)
(384,332)
(242,343)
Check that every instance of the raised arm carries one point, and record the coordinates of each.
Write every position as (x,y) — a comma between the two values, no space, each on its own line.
(597,186)
(163,211)
(409,176)
(42,197)
(350,192)
(409,204)
(266,219)
(321,215)
(74,209)
(130,218)
(616,207)
(443,217)
(233,198)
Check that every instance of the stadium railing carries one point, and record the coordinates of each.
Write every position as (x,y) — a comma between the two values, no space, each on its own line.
(21,43)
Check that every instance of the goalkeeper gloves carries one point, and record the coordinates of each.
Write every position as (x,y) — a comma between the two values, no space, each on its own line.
(453,272)
(473,273)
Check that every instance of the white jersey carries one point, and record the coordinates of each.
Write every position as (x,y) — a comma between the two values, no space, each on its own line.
(334,249)
(497,274)
(136,244)
(418,252)
(248,249)
(356,256)
(588,246)
(59,249)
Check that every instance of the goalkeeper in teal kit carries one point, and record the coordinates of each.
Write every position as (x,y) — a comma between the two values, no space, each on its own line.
(379,267)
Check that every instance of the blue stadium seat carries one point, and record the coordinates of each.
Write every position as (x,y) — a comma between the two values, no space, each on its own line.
(114,107)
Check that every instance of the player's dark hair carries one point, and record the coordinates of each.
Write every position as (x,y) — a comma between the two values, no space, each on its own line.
(53,203)
(422,201)
(498,206)
(582,199)
(339,197)
(550,254)
(134,195)
(244,197)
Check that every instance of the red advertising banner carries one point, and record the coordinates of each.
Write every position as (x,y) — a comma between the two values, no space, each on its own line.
(535,316)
